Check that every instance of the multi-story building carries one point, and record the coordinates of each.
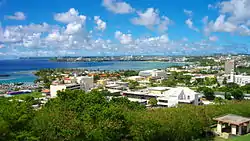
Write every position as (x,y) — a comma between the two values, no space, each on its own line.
(229,66)
(169,98)
(60,87)
(153,73)
(85,83)
(239,79)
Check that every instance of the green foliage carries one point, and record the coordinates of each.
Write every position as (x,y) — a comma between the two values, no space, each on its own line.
(228,96)
(237,94)
(224,82)
(133,84)
(208,93)
(128,73)
(152,101)
(76,115)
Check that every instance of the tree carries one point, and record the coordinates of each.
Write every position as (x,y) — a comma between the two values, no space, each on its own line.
(237,94)
(228,96)
(133,84)
(232,85)
(169,83)
(152,101)
(246,88)
(224,82)
(218,100)
(208,93)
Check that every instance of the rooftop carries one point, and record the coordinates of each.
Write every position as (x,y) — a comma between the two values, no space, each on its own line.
(233,119)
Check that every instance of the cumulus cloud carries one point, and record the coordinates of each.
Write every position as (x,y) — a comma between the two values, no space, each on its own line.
(101,25)
(233,18)
(71,16)
(123,38)
(150,19)
(190,24)
(189,21)
(16,16)
(117,7)
(213,38)
(188,12)
(237,9)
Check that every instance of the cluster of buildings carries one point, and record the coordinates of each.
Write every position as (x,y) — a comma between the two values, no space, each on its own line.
(165,96)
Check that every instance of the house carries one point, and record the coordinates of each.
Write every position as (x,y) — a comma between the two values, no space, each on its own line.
(232,125)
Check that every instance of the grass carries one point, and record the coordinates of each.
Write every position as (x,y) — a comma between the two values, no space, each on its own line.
(23,96)
(241,138)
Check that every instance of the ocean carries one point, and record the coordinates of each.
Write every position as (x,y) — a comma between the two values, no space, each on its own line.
(20,70)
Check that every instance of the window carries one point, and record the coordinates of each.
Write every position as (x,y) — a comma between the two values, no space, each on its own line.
(163,101)
(188,97)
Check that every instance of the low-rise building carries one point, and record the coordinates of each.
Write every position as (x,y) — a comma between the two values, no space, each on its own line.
(239,79)
(60,87)
(153,73)
(135,78)
(158,90)
(168,98)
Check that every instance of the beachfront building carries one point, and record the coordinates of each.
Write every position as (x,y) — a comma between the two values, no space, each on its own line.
(239,79)
(232,125)
(153,73)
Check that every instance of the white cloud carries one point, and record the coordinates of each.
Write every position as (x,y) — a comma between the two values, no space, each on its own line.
(244,30)
(73,28)
(213,38)
(117,7)
(149,18)
(189,21)
(164,23)
(185,39)
(71,16)
(123,38)
(101,25)
(16,16)
(188,12)
(238,10)
(220,25)
(190,24)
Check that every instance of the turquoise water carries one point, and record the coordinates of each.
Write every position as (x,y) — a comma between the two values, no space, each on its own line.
(21,70)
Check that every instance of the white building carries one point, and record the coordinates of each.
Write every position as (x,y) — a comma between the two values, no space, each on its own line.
(178,95)
(61,87)
(86,82)
(239,79)
(229,66)
(169,98)
(153,73)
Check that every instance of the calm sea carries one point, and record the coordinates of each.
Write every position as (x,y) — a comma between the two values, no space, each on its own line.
(21,70)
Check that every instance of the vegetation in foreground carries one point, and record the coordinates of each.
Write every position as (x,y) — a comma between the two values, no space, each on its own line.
(75,115)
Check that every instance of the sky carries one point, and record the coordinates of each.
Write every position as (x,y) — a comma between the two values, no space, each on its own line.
(123,27)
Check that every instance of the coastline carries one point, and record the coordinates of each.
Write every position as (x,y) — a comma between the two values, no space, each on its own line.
(23,70)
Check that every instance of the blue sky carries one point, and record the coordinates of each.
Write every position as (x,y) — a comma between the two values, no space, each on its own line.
(123,27)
